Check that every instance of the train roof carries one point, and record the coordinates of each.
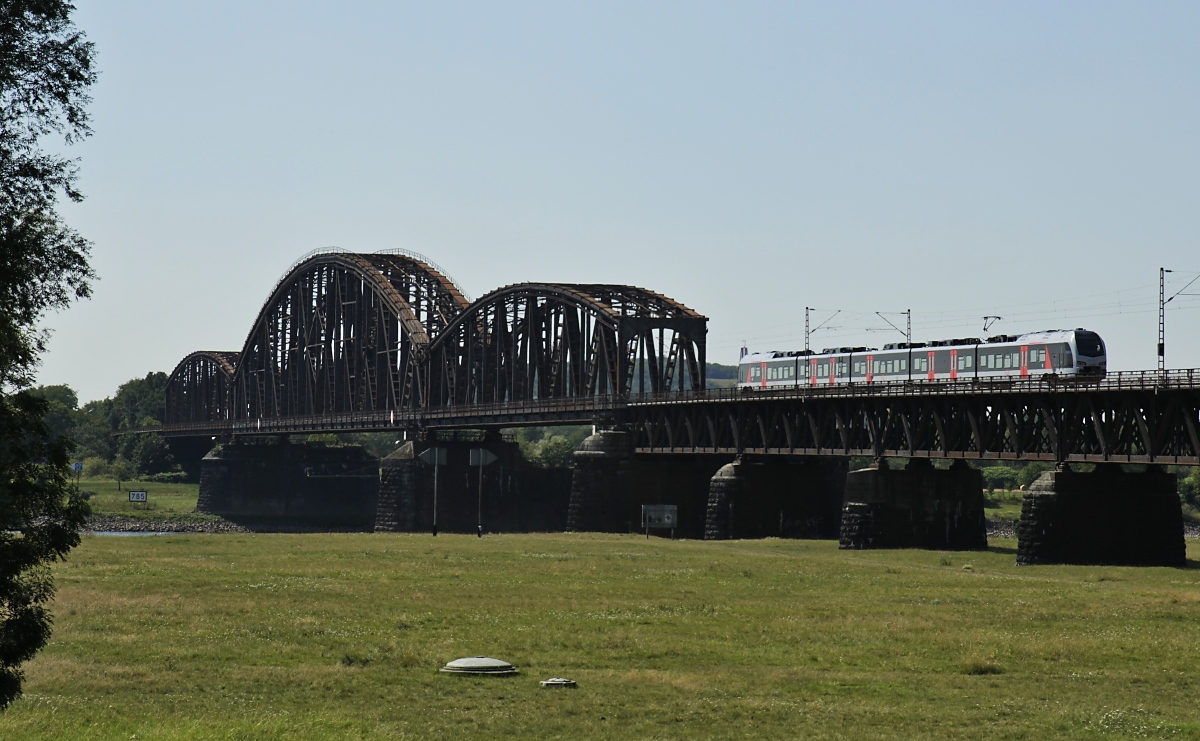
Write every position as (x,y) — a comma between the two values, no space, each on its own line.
(1042,336)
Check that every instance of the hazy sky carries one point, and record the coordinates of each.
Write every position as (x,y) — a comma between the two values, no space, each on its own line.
(1038,161)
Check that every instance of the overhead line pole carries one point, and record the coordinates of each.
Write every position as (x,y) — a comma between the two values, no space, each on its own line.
(1162,321)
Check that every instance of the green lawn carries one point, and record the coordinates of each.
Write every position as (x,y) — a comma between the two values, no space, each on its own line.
(1004,506)
(162,500)
(340,636)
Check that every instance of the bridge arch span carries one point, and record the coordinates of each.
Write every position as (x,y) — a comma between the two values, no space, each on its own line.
(345,332)
(198,390)
(538,341)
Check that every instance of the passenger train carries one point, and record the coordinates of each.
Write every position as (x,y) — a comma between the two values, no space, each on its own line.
(1077,353)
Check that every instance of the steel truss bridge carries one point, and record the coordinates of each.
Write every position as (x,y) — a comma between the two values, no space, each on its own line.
(387,341)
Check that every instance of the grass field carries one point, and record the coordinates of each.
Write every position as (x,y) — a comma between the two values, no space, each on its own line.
(1004,506)
(163,500)
(340,636)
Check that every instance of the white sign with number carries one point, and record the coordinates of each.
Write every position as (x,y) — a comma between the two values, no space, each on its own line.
(137,496)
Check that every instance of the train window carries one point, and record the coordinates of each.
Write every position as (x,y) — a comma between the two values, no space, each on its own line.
(877,364)
(1089,344)
(755,373)
(903,365)
(970,362)
(841,368)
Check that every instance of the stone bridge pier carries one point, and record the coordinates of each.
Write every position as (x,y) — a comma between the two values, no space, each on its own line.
(776,497)
(610,484)
(313,484)
(1106,516)
(516,497)
(717,497)
(915,507)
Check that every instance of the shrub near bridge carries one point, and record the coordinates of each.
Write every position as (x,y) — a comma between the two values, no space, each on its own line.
(340,636)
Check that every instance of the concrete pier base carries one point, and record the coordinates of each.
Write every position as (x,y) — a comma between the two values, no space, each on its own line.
(916,507)
(1103,517)
(311,483)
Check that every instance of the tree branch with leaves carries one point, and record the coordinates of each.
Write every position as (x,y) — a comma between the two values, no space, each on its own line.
(46,70)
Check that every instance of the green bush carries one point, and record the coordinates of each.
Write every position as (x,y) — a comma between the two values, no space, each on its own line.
(96,468)
(169,477)
(999,477)
(1030,473)
(1189,487)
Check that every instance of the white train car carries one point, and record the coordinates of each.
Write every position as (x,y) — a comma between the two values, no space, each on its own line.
(1063,353)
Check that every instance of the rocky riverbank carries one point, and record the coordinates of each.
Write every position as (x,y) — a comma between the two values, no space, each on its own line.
(209,524)
(203,524)
(1004,529)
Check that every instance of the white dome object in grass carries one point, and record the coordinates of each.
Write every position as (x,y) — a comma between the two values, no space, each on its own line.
(481,665)
(559,682)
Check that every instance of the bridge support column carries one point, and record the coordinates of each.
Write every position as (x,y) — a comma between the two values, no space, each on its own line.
(916,507)
(514,498)
(274,480)
(777,497)
(597,491)
(724,492)
(681,480)
(399,486)
(1103,517)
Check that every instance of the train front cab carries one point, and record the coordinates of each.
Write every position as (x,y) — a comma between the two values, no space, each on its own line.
(1090,357)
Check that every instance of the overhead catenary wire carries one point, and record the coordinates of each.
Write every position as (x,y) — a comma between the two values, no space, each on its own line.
(1131,301)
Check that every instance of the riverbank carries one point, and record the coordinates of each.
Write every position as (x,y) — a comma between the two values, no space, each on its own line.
(200,523)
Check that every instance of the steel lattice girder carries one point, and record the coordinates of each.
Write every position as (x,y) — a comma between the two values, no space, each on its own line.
(365,333)
(1134,426)
(344,332)
(198,390)
(553,341)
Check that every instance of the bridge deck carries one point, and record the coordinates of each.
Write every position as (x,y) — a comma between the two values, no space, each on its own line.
(1133,417)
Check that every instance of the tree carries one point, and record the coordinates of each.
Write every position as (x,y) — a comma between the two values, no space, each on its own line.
(61,403)
(1031,471)
(1189,487)
(999,477)
(46,69)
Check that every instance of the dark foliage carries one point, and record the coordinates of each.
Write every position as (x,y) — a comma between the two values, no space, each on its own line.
(39,521)
(46,68)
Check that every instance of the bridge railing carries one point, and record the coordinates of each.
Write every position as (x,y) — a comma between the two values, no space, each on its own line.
(584,409)
(1114,381)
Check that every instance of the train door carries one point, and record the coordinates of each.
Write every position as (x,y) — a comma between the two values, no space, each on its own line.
(1024,361)
(764,375)
(833,371)
(812,372)
(930,372)
(954,365)
(870,367)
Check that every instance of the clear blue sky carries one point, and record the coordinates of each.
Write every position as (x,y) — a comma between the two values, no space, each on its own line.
(1034,160)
